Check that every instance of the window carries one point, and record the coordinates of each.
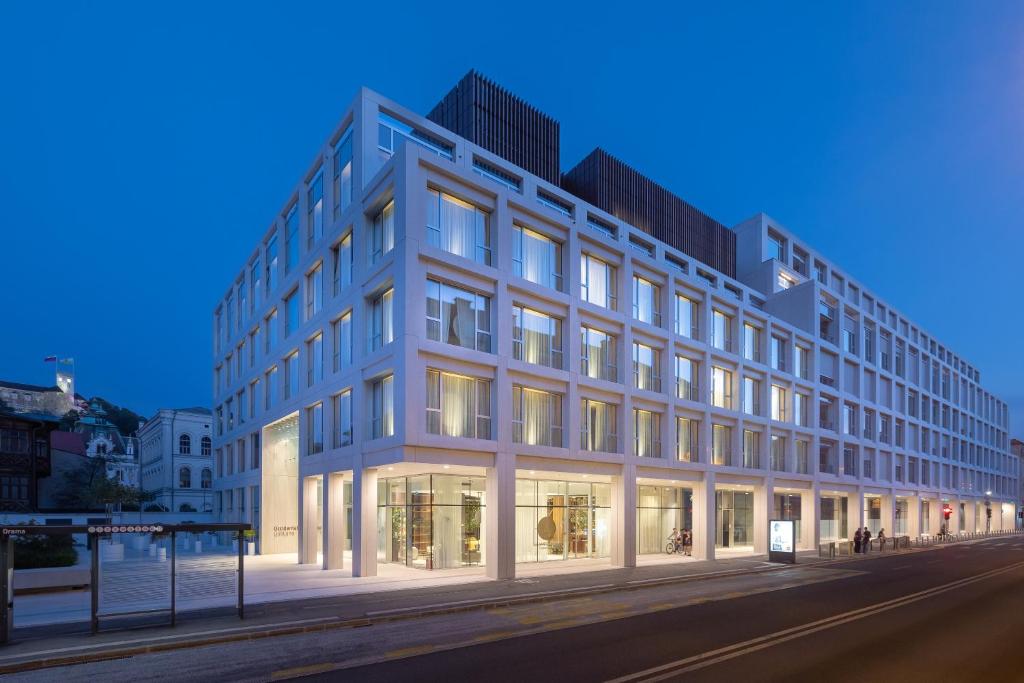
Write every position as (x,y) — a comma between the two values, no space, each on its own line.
(800,403)
(800,260)
(802,461)
(496,174)
(391,133)
(646,367)
(686,439)
(536,337)
(751,342)
(646,301)
(686,317)
(382,235)
(751,449)
(646,433)
(254,286)
(184,444)
(776,246)
(849,419)
(315,360)
(778,453)
(206,478)
(253,386)
(457,227)
(291,375)
(184,478)
(536,417)
(383,420)
(597,421)
(779,401)
(343,419)
(751,396)
(342,263)
(721,439)
(341,331)
(342,182)
(382,331)
(599,355)
(270,389)
(721,331)
(536,257)
(686,379)
(315,429)
(206,446)
(778,353)
(721,388)
(291,313)
(785,281)
(457,316)
(315,210)
(271,264)
(597,281)
(291,238)
(849,334)
(271,335)
(458,405)
(801,361)
(315,291)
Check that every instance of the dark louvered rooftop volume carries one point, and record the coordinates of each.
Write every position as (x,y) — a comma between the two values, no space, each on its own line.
(615,187)
(488,115)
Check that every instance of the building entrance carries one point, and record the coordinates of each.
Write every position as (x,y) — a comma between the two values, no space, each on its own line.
(734,517)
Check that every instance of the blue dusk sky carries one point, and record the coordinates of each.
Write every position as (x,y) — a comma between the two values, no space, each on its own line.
(145,148)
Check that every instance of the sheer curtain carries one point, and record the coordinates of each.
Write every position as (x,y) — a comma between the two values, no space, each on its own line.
(644,433)
(644,293)
(388,406)
(458,319)
(538,265)
(597,281)
(458,414)
(536,338)
(458,227)
(537,413)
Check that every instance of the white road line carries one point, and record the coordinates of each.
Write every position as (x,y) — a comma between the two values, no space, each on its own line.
(699,661)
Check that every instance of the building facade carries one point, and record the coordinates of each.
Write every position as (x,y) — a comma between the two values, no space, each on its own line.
(435,358)
(24,458)
(32,398)
(104,439)
(176,459)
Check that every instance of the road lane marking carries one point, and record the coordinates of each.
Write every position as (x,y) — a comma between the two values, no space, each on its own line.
(705,659)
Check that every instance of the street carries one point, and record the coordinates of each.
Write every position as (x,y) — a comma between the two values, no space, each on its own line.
(903,614)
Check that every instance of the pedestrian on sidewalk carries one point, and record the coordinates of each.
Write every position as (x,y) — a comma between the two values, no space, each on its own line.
(881,539)
(865,543)
(687,542)
(857,536)
(676,539)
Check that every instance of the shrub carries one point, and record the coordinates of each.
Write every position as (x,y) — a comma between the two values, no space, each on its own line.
(34,551)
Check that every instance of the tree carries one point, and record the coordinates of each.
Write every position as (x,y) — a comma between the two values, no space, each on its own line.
(89,488)
(126,421)
(67,423)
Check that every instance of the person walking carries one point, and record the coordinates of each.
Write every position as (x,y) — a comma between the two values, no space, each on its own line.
(687,542)
(857,536)
(881,539)
(865,543)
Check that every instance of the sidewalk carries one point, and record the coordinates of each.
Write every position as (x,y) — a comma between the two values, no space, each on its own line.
(386,600)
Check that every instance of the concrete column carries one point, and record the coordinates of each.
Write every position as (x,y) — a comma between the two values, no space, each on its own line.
(307,520)
(704,518)
(763,510)
(855,517)
(624,514)
(364,521)
(935,518)
(500,522)
(810,514)
(334,521)
(913,516)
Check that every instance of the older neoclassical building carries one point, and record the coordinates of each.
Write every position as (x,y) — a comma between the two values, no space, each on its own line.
(444,352)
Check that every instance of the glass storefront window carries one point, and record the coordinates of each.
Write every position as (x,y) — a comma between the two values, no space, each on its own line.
(431,521)
(659,509)
(557,520)
(734,518)
(832,524)
(788,506)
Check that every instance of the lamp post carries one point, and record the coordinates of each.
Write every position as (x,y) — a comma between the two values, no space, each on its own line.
(988,511)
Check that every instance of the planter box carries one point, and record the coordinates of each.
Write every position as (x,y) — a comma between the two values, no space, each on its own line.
(51,579)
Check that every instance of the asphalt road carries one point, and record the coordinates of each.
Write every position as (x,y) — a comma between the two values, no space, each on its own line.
(966,632)
(948,614)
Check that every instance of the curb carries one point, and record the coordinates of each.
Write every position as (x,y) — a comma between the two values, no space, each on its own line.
(429,611)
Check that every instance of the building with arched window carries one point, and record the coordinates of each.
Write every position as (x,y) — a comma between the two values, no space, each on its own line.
(172,466)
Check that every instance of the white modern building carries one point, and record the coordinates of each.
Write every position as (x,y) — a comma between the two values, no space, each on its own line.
(438,358)
(176,459)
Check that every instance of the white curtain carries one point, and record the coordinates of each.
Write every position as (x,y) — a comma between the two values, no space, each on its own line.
(458,227)
(458,318)
(387,317)
(597,281)
(458,413)
(526,533)
(388,406)
(645,300)
(538,409)
(538,265)
(536,338)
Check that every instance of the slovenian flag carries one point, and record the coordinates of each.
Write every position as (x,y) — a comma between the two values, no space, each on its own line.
(50,359)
